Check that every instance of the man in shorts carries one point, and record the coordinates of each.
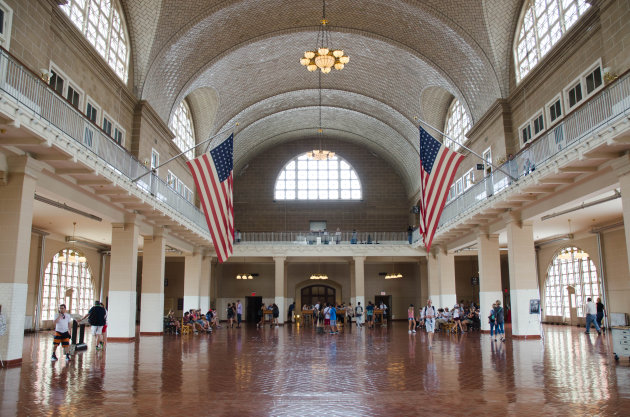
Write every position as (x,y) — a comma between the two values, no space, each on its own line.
(358,314)
(369,312)
(333,320)
(62,332)
(97,317)
(428,315)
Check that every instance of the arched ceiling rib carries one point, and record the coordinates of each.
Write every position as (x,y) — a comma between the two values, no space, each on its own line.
(203,104)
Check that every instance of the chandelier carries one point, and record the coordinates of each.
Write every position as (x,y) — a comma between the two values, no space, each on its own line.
(319,276)
(320,154)
(74,257)
(246,275)
(393,275)
(324,57)
(569,254)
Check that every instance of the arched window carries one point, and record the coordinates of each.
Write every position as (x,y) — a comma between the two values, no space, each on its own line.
(571,267)
(307,179)
(457,124)
(182,126)
(67,281)
(542,24)
(101,23)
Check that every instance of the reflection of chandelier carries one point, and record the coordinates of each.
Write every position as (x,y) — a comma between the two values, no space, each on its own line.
(319,276)
(324,57)
(74,257)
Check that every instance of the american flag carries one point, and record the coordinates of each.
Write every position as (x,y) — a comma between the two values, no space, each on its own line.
(212,173)
(438,165)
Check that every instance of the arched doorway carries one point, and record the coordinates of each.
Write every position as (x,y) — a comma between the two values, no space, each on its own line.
(570,269)
(314,294)
(67,280)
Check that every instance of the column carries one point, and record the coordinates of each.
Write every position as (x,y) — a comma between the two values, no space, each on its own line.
(192,277)
(204,285)
(433,280)
(121,322)
(423,287)
(16,220)
(359,280)
(152,299)
(353,284)
(622,169)
(523,278)
(280,287)
(489,275)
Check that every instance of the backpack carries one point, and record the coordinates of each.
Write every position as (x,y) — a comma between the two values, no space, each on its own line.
(358,310)
(424,311)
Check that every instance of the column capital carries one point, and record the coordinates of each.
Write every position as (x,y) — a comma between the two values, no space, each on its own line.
(24,164)
(621,166)
(359,258)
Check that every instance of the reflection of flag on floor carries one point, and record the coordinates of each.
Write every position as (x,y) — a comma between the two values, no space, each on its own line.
(212,173)
(438,165)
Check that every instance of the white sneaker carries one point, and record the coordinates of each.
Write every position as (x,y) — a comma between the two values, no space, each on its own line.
(413,331)
(409,332)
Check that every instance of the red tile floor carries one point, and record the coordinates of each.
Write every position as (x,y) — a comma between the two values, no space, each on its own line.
(291,371)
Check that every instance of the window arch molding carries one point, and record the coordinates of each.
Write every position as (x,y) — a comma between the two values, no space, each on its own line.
(570,266)
(542,23)
(456,125)
(62,275)
(303,178)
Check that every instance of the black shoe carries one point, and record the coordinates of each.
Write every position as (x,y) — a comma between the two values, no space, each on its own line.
(68,357)
(54,358)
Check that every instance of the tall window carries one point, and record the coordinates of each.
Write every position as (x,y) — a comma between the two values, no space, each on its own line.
(571,267)
(457,124)
(68,283)
(306,179)
(542,24)
(100,22)
(182,126)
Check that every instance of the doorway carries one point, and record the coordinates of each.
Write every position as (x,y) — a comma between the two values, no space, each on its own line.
(318,294)
(387,299)
(252,306)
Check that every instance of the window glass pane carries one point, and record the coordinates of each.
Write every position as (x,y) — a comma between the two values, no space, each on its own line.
(457,125)
(181,125)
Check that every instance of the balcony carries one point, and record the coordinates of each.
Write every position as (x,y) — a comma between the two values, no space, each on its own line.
(321,238)
(604,112)
(61,120)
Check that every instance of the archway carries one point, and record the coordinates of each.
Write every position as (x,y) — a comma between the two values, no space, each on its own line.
(67,280)
(318,293)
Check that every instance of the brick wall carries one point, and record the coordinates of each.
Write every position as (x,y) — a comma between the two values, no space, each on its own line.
(384,206)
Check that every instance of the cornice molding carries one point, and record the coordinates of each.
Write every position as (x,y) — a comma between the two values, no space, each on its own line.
(500,107)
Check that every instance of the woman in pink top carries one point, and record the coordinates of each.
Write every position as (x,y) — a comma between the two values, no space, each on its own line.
(411,319)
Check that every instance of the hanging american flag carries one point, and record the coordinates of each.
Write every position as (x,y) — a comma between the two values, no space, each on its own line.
(438,165)
(212,173)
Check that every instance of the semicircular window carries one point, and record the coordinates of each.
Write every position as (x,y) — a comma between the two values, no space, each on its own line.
(307,179)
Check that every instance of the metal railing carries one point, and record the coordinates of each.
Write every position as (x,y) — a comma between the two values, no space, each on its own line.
(599,111)
(321,238)
(20,83)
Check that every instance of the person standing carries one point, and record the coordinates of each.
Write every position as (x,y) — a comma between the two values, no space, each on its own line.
(369,311)
(275,313)
(338,236)
(358,314)
(291,310)
(261,316)
(428,316)
(97,317)
(591,316)
(333,319)
(499,321)
(239,313)
(601,312)
(62,332)
(230,315)
(411,318)
(492,320)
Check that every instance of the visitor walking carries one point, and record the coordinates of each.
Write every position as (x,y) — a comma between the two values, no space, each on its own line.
(499,320)
(97,317)
(62,332)
(411,318)
(239,313)
(492,320)
(291,310)
(358,314)
(428,316)
(601,312)
(591,316)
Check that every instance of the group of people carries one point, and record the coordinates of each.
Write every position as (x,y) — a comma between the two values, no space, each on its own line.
(97,318)
(275,314)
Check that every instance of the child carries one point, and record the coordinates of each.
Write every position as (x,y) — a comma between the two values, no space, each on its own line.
(411,318)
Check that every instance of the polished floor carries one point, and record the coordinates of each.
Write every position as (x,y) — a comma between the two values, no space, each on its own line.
(292,371)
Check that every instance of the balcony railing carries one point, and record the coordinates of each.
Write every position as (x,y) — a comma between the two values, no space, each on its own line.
(321,238)
(599,111)
(20,83)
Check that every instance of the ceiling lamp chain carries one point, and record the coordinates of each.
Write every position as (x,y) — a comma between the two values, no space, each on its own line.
(320,154)
(324,57)
(246,275)
(393,275)
(74,257)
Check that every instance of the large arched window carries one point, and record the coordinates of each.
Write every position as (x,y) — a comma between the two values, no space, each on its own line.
(542,24)
(307,179)
(101,23)
(571,267)
(67,281)
(456,126)
(182,126)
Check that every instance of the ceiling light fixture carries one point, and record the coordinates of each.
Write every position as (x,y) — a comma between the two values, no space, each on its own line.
(324,57)
(74,257)
(320,154)
(245,275)
(393,275)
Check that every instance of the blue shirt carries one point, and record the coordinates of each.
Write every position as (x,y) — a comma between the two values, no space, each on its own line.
(333,313)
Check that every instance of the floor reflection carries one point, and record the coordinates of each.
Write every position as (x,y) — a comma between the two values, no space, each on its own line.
(294,371)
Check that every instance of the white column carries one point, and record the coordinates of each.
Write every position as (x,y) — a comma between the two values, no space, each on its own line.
(359,280)
(121,322)
(433,284)
(280,286)
(523,278)
(489,275)
(446,264)
(152,299)
(192,277)
(622,169)
(16,207)
(204,285)
(353,285)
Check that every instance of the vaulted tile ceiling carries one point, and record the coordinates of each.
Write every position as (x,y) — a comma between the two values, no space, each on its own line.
(238,61)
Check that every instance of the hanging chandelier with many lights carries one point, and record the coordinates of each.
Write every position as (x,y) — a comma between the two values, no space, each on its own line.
(324,57)
(74,257)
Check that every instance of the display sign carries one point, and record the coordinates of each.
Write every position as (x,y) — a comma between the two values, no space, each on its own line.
(534,306)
